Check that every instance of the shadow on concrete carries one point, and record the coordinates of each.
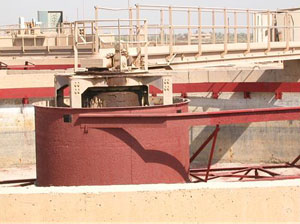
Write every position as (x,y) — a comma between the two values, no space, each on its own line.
(229,134)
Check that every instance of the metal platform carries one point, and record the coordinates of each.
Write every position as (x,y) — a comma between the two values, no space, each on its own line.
(227,36)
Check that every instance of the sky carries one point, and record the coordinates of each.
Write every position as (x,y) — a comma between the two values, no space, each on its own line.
(11,10)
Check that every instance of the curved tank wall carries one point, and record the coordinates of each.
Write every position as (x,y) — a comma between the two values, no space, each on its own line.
(67,155)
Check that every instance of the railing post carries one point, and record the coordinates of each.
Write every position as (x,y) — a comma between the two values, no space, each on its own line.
(146,45)
(225,33)
(235,27)
(162,32)
(273,27)
(199,32)
(255,38)
(213,27)
(138,21)
(288,27)
(96,31)
(269,32)
(248,33)
(170,31)
(93,37)
(189,27)
(75,44)
(130,25)
(138,32)
(119,43)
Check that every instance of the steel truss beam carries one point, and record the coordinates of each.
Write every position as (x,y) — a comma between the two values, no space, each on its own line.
(262,172)
(246,173)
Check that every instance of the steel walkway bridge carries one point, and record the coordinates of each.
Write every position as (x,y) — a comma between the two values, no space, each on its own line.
(166,36)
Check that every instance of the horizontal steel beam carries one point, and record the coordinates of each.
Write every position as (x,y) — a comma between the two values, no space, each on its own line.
(45,92)
(36,67)
(183,88)
(233,87)
(96,120)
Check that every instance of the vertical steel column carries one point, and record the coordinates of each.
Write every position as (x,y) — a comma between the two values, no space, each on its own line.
(167,90)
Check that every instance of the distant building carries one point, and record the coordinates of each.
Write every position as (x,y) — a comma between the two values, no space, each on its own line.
(50,19)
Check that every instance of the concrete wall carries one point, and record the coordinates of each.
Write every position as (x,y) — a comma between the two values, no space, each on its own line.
(264,142)
(246,143)
(264,202)
(17,136)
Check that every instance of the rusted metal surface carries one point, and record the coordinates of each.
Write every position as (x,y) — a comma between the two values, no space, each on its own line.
(70,155)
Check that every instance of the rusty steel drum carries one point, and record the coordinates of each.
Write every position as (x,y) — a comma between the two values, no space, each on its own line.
(69,154)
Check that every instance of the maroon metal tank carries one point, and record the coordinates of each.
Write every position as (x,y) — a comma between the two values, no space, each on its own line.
(69,154)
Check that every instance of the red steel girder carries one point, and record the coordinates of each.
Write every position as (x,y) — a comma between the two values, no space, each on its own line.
(217,87)
(103,120)
(183,88)
(27,93)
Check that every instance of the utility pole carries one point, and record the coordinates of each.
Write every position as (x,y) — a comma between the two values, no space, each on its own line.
(128,3)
